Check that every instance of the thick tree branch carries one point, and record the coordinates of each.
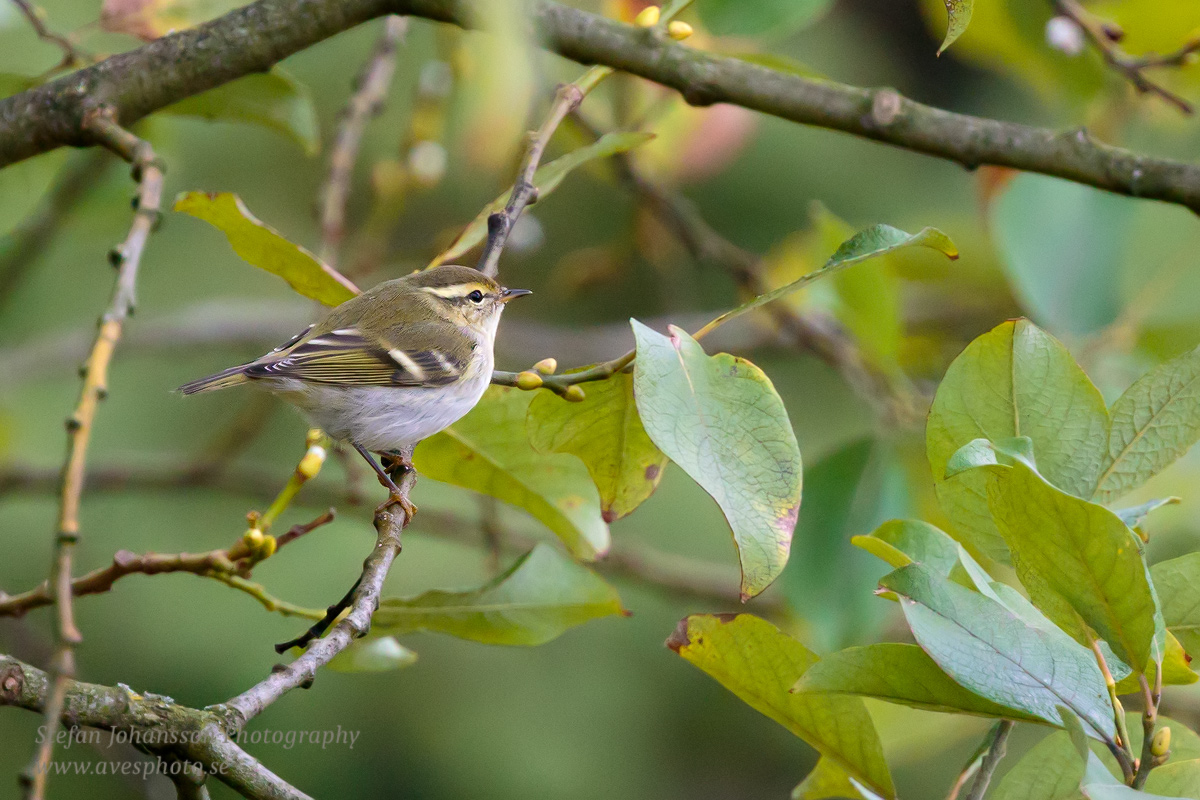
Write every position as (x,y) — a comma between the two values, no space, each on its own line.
(255,37)
(167,729)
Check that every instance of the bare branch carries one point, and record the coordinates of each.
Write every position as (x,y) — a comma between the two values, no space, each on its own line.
(500,224)
(371,90)
(126,257)
(1104,38)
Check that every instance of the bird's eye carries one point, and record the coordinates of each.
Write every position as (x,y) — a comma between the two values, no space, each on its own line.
(475,296)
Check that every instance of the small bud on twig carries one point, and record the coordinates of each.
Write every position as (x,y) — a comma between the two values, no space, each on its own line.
(547,366)
(529,381)
(679,30)
(1161,744)
(648,17)
(575,394)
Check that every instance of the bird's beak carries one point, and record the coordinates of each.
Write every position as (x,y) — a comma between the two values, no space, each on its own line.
(510,294)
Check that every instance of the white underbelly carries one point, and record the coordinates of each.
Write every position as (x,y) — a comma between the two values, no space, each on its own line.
(383,418)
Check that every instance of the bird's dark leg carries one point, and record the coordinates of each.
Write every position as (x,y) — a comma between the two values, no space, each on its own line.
(397,464)
(318,630)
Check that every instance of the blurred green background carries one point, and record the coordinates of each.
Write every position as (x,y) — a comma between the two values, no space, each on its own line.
(606,711)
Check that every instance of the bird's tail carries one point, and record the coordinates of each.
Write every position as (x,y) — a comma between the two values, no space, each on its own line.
(234,376)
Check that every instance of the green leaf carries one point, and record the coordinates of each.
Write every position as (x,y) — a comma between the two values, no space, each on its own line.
(720,419)
(546,180)
(487,451)
(759,663)
(899,673)
(262,247)
(1063,245)
(983,453)
(992,652)
(958,13)
(1176,779)
(1099,784)
(535,600)
(776,17)
(1154,422)
(1079,552)
(606,433)
(272,99)
(1015,380)
(1178,585)
(1051,770)
(900,542)
(826,780)
(1176,669)
(875,241)
(381,654)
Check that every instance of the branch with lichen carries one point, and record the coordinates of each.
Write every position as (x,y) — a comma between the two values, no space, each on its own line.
(103,129)
(255,37)
(161,726)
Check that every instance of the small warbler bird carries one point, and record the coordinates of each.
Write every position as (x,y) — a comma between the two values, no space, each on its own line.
(389,367)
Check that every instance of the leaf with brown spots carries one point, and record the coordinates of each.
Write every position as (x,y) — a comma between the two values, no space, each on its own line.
(605,431)
(760,663)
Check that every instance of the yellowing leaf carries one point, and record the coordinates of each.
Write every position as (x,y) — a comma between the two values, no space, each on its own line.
(605,432)
(488,451)
(272,99)
(535,600)
(720,419)
(262,247)
(759,663)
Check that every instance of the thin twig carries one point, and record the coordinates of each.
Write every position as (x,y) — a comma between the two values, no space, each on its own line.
(670,573)
(235,561)
(390,521)
(821,336)
(21,247)
(127,256)
(371,90)
(1104,37)
(991,759)
(524,193)
(1151,697)
(1121,749)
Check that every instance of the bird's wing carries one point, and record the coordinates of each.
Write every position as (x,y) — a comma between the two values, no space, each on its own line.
(348,357)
